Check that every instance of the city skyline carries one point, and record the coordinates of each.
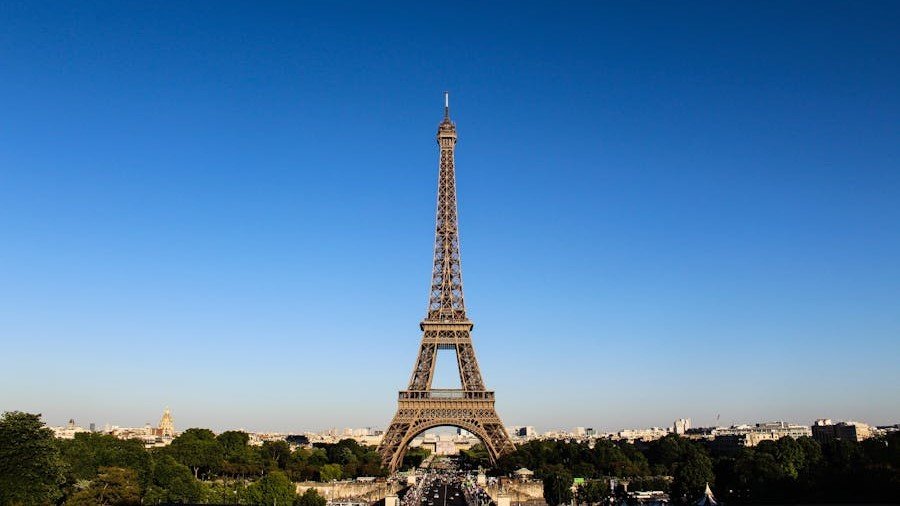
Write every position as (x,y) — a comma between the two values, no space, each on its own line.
(664,214)
(342,429)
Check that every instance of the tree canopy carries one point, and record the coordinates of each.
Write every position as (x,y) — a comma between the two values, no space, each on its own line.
(31,469)
(787,470)
(196,467)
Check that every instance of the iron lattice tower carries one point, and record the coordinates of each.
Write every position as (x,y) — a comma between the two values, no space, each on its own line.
(445,327)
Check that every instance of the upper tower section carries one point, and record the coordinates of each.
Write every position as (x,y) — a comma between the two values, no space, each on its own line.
(445,303)
(446,136)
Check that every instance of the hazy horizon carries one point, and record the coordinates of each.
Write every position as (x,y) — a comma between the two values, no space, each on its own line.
(299,428)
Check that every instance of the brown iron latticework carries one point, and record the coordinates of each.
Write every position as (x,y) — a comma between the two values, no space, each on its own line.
(445,327)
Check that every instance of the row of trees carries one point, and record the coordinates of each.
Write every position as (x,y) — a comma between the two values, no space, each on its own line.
(198,467)
(558,462)
(788,470)
(229,455)
(803,470)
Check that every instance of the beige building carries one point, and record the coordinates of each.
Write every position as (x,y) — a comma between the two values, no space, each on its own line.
(650,434)
(734,438)
(824,430)
(681,426)
(166,427)
(768,431)
(67,431)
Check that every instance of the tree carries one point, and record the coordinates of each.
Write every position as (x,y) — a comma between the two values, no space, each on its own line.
(113,486)
(310,498)
(692,475)
(414,457)
(666,453)
(370,464)
(234,445)
(31,470)
(173,482)
(299,467)
(612,460)
(198,449)
(593,491)
(758,473)
(86,453)
(330,472)
(273,488)
(317,456)
(276,453)
(558,487)
(790,456)
(221,492)
(240,459)
(648,483)
(475,457)
(344,451)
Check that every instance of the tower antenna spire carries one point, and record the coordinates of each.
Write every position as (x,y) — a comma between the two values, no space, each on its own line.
(446,105)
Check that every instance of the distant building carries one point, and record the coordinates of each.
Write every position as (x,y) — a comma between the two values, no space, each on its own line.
(650,434)
(297,439)
(590,432)
(445,445)
(148,434)
(523,432)
(438,444)
(166,427)
(463,432)
(766,430)
(738,436)
(824,430)
(578,431)
(681,426)
(777,430)
(68,431)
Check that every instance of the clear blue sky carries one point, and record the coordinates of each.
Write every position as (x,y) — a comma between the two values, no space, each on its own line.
(667,209)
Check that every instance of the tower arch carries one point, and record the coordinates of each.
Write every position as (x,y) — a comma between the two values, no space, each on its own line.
(426,425)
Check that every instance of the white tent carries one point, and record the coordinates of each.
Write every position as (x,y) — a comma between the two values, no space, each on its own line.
(708,498)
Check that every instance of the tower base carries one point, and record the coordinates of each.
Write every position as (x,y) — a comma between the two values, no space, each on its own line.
(423,410)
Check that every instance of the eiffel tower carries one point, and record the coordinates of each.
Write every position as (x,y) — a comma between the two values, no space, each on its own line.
(445,327)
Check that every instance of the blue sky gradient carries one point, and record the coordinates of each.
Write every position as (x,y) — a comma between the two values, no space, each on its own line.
(667,210)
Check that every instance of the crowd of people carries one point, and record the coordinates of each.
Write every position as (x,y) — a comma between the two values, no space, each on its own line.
(417,492)
(444,475)
(475,495)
